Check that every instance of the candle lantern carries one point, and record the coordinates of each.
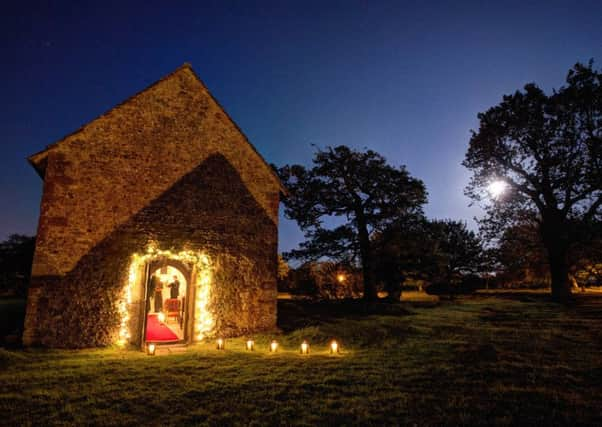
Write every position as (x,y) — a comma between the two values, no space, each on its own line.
(334,347)
(304,347)
(273,346)
(150,349)
(220,343)
(250,345)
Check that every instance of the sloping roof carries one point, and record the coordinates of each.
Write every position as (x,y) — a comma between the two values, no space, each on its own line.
(38,160)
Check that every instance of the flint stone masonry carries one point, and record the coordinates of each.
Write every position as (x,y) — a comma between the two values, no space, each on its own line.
(167,166)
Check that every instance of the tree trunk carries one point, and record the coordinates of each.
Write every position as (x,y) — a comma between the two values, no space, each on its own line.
(559,270)
(555,238)
(366,259)
(393,287)
(369,286)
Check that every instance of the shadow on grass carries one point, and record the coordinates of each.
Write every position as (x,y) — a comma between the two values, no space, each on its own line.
(296,314)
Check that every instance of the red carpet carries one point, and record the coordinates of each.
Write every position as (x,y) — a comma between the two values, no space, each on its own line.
(157,331)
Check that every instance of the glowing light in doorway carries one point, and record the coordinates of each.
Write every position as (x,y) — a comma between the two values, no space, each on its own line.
(203,319)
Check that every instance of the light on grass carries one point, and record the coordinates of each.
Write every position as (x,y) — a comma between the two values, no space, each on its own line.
(250,345)
(304,347)
(273,346)
(150,349)
(220,343)
(334,347)
(161,317)
(497,188)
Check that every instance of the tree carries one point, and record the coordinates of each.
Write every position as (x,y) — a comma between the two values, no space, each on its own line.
(586,256)
(16,256)
(457,250)
(283,275)
(360,191)
(283,268)
(547,150)
(404,250)
(521,257)
(435,251)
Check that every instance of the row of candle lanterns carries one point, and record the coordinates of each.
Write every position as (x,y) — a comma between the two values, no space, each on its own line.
(250,346)
(303,349)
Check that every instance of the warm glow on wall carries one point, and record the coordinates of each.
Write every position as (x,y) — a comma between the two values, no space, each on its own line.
(124,305)
(203,318)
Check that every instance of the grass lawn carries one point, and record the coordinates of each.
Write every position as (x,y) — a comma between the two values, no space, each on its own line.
(477,360)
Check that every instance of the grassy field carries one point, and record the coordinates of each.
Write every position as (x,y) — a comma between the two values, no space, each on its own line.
(477,360)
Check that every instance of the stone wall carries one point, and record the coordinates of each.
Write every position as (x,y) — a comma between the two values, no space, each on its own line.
(98,177)
(167,166)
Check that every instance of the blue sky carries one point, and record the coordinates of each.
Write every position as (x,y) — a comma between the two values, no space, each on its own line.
(406,79)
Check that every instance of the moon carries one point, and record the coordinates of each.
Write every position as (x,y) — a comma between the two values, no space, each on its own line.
(497,188)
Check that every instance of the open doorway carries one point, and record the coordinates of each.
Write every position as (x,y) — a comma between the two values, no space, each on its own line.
(166,298)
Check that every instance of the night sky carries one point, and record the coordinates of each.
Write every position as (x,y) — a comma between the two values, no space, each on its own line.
(406,79)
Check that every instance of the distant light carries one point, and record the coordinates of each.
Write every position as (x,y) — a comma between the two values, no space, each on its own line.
(334,347)
(273,346)
(250,345)
(151,349)
(341,277)
(497,188)
(220,343)
(304,347)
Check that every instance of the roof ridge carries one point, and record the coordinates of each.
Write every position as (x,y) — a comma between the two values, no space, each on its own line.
(129,98)
(247,140)
(186,65)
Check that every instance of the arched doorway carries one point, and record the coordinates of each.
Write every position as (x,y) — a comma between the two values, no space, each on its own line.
(167,289)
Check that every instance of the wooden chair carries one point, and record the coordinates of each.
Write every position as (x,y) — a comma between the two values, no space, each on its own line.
(172,309)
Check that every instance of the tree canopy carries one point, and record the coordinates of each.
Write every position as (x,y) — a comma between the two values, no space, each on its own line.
(357,190)
(438,251)
(458,250)
(16,256)
(547,150)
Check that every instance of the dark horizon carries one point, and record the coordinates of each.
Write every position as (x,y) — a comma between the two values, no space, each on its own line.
(404,80)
